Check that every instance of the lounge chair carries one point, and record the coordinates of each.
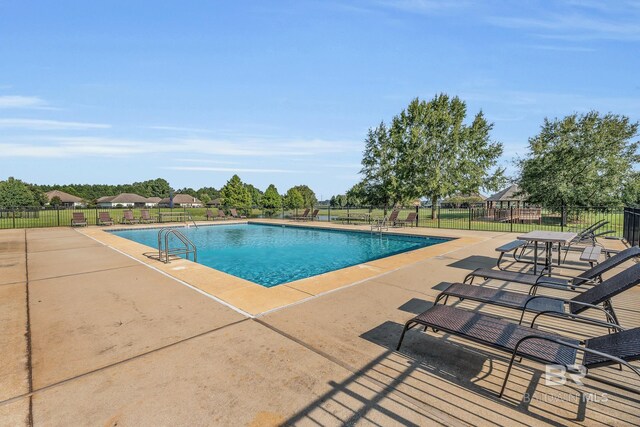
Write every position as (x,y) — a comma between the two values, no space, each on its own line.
(78,220)
(592,298)
(235,215)
(209,215)
(386,221)
(591,276)
(409,220)
(128,218)
(104,218)
(393,218)
(313,216)
(146,217)
(620,347)
(221,215)
(301,217)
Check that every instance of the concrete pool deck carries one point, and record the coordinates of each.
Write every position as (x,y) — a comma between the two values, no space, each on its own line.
(93,336)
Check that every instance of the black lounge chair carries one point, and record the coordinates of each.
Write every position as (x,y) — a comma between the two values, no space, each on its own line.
(591,276)
(620,347)
(591,298)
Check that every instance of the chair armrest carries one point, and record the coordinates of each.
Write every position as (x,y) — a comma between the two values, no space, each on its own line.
(577,318)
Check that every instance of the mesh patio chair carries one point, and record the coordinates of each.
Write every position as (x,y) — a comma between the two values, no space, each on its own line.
(78,220)
(104,218)
(591,276)
(128,218)
(620,347)
(597,297)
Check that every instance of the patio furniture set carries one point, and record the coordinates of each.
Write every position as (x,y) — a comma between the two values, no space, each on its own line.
(589,293)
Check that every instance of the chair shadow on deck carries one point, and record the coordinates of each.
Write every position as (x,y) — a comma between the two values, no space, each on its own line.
(432,373)
(472,262)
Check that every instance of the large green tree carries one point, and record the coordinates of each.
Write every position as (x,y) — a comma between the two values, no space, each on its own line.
(309,199)
(293,199)
(429,151)
(581,160)
(439,155)
(15,193)
(380,185)
(271,200)
(256,194)
(234,194)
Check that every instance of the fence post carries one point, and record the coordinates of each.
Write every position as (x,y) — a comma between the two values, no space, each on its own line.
(438,215)
(470,215)
(511,219)
(329,214)
(14,217)
(417,215)
(562,213)
(58,214)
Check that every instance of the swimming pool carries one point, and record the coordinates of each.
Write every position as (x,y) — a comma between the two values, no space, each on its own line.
(271,255)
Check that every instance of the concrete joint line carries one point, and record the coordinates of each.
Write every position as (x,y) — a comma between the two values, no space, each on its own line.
(32,392)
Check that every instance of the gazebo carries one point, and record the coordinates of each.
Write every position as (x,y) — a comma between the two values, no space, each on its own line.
(508,205)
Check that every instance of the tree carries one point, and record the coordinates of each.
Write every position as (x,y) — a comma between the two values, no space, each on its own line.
(309,199)
(55,201)
(581,160)
(293,199)
(379,185)
(438,155)
(271,200)
(255,193)
(204,198)
(355,195)
(235,195)
(15,193)
(187,190)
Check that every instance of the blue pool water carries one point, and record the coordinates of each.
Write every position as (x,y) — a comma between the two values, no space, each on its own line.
(271,255)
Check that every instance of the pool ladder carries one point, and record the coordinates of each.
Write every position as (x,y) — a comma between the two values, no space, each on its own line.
(379,226)
(165,253)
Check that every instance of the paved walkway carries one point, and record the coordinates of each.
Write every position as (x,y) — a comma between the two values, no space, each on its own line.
(91,336)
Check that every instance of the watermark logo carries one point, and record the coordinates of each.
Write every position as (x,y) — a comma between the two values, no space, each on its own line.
(556,375)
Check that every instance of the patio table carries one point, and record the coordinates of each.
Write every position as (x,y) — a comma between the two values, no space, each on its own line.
(548,238)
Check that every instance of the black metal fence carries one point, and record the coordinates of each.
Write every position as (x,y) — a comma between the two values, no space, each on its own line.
(622,222)
(631,230)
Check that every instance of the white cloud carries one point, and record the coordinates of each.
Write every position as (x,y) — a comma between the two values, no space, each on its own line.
(27,146)
(36,124)
(16,101)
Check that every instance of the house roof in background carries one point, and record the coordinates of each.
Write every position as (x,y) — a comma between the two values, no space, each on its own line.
(64,197)
(181,199)
(123,198)
(509,193)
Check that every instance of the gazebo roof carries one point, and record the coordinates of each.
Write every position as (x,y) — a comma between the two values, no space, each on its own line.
(509,194)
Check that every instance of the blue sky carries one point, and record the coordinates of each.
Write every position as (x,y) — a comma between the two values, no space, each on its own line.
(283,92)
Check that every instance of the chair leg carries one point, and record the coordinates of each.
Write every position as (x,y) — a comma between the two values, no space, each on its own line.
(407,326)
(499,261)
(506,377)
